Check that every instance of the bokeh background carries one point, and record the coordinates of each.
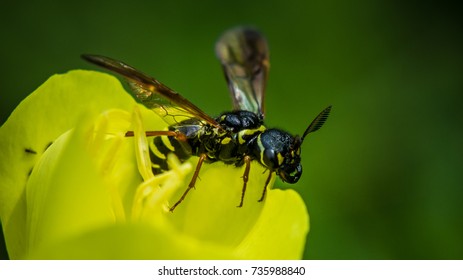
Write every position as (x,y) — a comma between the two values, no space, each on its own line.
(382,180)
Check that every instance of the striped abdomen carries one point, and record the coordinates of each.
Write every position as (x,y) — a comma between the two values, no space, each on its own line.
(161,146)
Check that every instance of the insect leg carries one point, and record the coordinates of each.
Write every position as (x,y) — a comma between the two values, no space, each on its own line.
(247,161)
(265,187)
(202,158)
(180,136)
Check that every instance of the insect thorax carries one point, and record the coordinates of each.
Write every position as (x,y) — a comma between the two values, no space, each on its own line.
(241,129)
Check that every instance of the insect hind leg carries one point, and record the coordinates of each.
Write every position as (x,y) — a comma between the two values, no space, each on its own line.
(202,158)
(178,135)
(247,161)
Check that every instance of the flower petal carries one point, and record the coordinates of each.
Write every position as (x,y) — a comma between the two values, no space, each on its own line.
(65,193)
(131,242)
(273,229)
(210,211)
(281,231)
(54,108)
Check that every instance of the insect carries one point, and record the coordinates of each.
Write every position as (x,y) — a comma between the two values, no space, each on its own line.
(236,137)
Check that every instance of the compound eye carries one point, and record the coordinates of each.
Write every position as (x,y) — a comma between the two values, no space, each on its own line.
(270,159)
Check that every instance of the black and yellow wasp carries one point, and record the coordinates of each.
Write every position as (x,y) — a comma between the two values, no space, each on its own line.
(237,137)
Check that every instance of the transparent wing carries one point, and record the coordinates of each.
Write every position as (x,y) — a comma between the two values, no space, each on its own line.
(243,53)
(170,105)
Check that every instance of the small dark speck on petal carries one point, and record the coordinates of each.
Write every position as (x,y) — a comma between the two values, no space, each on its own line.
(30,151)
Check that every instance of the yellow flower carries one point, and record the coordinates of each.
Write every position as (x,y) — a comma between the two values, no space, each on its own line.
(74,187)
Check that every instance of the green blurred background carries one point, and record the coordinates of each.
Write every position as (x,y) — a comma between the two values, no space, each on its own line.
(383,178)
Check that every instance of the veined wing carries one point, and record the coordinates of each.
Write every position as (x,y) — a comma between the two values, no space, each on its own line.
(243,53)
(170,105)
